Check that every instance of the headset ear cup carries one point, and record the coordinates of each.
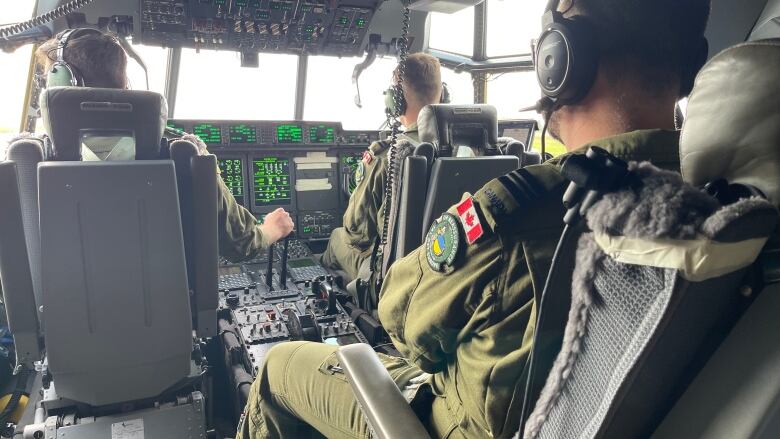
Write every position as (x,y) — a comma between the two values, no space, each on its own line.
(567,59)
(59,76)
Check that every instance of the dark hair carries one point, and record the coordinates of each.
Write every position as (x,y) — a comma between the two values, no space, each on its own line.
(422,76)
(655,39)
(97,58)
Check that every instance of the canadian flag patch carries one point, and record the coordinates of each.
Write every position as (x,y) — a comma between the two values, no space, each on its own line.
(468,216)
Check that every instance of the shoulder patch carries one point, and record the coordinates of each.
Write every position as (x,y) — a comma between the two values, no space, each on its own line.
(368,157)
(470,220)
(442,243)
(360,173)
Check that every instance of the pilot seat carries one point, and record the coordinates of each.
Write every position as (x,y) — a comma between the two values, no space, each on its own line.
(107,258)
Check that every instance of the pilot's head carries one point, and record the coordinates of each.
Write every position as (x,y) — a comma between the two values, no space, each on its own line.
(421,84)
(647,52)
(95,57)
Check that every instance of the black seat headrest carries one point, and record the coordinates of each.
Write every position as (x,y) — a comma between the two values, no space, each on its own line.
(446,126)
(70,112)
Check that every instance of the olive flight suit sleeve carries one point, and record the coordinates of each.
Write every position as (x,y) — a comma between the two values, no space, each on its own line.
(362,219)
(427,312)
(239,236)
(352,243)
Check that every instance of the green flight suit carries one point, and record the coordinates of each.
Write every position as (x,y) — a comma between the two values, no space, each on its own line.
(239,236)
(472,329)
(352,244)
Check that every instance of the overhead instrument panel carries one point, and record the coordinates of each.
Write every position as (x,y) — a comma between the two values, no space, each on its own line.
(327,27)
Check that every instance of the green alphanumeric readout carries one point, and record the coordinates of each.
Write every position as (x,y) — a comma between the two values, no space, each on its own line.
(208,132)
(232,171)
(321,134)
(242,134)
(271,181)
(289,133)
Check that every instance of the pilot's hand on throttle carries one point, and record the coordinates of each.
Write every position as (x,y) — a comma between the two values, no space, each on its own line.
(277,225)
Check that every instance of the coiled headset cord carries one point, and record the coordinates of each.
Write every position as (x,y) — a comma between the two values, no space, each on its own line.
(395,126)
(42,19)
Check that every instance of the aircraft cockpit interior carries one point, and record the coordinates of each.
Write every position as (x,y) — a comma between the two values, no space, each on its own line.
(389,219)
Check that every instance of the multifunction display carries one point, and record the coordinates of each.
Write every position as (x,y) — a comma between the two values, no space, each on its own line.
(322,134)
(232,171)
(242,134)
(255,133)
(289,133)
(272,183)
(208,132)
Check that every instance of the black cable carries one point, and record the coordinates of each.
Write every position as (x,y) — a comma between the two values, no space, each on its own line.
(547,118)
(19,390)
(395,124)
(553,274)
(58,12)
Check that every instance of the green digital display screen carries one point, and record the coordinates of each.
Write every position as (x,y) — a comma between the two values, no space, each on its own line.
(241,3)
(209,133)
(271,181)
(321,134)
(254,3)
(289,134)
(175,126)
(220,2)
(262,15)
(242,134)
(232,172)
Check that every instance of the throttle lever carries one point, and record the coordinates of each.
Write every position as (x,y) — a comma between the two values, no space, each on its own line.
(269,274)
(283,275)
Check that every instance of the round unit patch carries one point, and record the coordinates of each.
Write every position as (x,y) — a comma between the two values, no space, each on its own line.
(442,243)
(360,173)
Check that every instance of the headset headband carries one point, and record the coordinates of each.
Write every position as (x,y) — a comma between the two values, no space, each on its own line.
(62,42)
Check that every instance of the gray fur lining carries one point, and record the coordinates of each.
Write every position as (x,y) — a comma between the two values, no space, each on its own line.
(662,206)
(725,216)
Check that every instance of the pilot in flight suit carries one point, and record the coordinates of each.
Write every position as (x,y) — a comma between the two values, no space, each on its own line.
(466,330)
(101,62)
(463,314)
(352,244)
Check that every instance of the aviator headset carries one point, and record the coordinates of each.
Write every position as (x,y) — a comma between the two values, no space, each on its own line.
(566,58)
(390,93)
(62,73)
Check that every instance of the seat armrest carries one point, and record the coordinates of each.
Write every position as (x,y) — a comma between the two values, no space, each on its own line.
(388,414)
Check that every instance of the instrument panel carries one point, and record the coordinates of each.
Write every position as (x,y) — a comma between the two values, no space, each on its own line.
(327,27)
(307,168)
